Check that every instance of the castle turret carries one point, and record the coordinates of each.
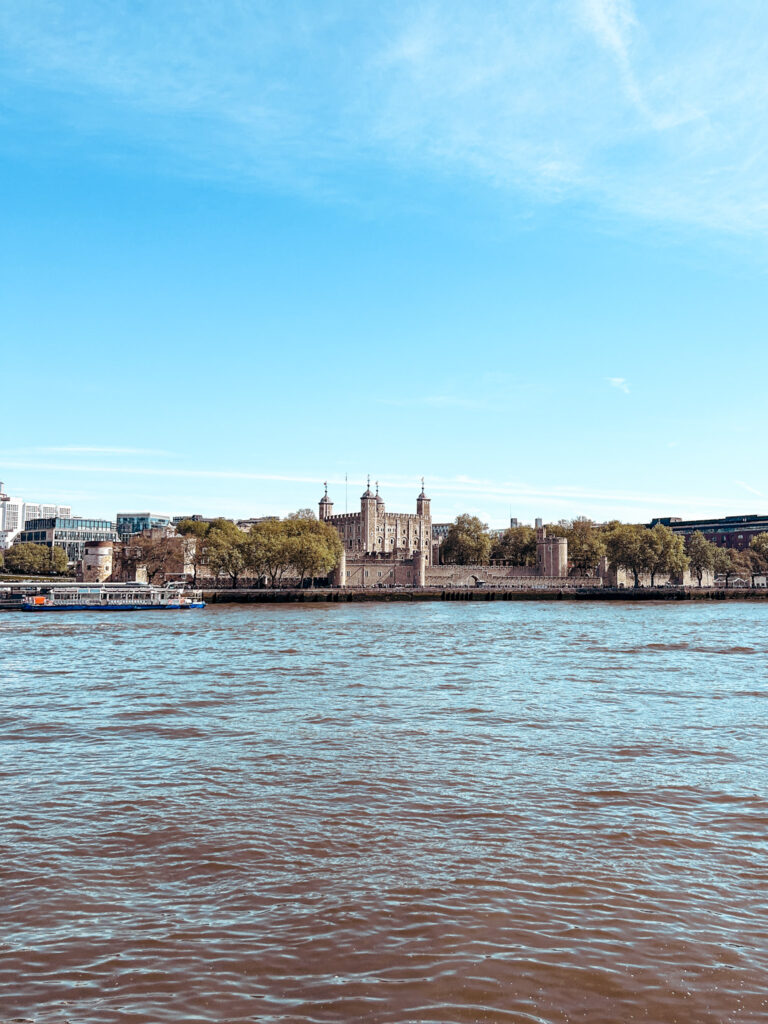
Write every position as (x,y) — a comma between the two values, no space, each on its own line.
(551,553)
(326,505)
(368,518)
(423,503)
(419,569)
(340,572)
(97,562)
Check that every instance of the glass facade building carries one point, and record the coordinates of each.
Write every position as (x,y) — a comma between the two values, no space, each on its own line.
(67,533)
(129,523)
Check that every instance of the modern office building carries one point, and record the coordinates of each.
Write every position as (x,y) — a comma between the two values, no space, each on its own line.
(69,533)
(130,523)
(32,511)
(728,532)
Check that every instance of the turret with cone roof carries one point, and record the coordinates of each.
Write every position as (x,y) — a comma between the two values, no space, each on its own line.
(326,505)
(367,493)
(423,503)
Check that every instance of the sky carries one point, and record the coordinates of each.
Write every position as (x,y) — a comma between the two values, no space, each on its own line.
(518,249)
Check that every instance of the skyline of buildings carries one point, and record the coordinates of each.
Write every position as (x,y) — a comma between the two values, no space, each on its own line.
(371,529)
(15,513)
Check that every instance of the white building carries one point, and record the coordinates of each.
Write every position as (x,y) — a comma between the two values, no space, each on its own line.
(45,511)
(15,513)
(11,519)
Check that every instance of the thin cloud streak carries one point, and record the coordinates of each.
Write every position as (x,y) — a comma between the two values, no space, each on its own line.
(747,487)
(620,383)
(460,485)
(89,450)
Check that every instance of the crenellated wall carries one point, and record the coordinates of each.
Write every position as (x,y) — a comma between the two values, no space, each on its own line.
(501,576)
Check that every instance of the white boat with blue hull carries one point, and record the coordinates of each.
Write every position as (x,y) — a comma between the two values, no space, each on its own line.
(113,597)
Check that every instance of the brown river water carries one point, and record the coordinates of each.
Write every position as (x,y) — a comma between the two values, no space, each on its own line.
(527,812)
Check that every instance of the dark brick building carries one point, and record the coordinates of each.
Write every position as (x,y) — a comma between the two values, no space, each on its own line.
(729,532)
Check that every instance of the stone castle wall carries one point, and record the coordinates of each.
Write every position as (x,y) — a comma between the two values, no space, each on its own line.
(501,576)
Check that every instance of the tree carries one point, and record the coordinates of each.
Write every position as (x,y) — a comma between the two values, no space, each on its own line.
(628,547)
(303,513)
(700,554)
(666,552)
(517,546)
(723,564)
(312,548)
(759,547)
(196,534)
(30,559)
(747,563)
(267,552)
(468,542)
(227,548)
(58,561)
(585,545)
(150,551)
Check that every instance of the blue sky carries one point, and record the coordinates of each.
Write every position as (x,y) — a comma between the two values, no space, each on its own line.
(247,247)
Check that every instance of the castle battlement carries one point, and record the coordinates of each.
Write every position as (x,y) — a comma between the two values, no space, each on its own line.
(374,531)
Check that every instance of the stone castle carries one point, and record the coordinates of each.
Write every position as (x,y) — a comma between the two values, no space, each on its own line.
(374,531)
(398,549)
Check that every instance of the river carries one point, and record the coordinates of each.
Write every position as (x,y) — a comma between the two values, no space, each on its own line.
(535,812)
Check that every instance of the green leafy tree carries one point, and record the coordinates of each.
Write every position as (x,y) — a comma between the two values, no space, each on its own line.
(303,513)
(29,559)
(759,547)
(517,545)
(723,564)
(58,561)
(700,554)
(628,547)
(197,548)
(227,550)
(267,550)
(468,542)
(312,548)
(585,545)
(666,552)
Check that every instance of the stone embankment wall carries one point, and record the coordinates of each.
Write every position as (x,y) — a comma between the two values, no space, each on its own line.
(501,576)
(336,595)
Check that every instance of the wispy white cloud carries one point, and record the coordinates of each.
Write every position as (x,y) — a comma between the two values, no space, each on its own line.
(747,487)
(649,109)
(90,450)
(480,490)
(619,383)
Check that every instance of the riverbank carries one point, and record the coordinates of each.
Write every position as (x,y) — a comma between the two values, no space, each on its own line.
(333,595)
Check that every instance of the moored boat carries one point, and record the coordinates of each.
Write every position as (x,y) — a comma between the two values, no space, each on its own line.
(112,597)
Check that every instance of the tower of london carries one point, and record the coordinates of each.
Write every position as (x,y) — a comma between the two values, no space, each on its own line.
(374,531)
